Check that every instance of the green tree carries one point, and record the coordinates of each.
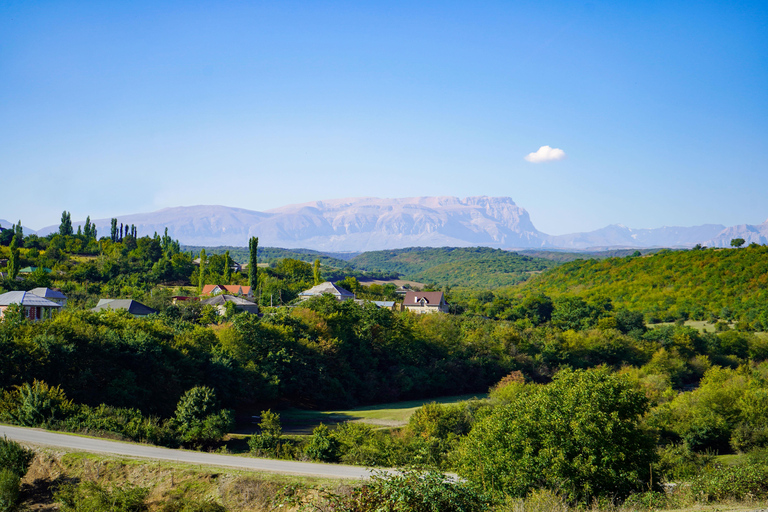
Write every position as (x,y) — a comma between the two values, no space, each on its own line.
(113,230)
(579,436)
(316,272)
(269,439)
(227,268)
(13,261)
(253,264)
(737,242)
(201,272)
(65,228)
(199,420)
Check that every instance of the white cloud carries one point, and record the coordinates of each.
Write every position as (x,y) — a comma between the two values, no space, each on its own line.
(545,154)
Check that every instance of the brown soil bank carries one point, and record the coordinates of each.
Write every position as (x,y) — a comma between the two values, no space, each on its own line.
(236,490)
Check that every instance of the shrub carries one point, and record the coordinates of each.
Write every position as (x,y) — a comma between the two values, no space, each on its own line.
(14,457)
(269,439)
(412,491)
(323,446)
(9,490)
(732,482)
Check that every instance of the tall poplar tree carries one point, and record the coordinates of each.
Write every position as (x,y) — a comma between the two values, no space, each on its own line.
(65,228)
(113,233)
(201,273)
(253,264)
(13,261)
(316,271)
(227,268)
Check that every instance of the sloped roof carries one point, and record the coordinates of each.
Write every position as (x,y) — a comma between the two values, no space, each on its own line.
(26,299)
(132,306)
(327,287)
(231,288)
(48,293)
(223,299)
(432,298)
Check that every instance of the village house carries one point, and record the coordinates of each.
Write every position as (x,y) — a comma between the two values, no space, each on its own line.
(327,287)
(425,302)
(35,308)
(241,304)
(133,307)
(231,289)
(52,295)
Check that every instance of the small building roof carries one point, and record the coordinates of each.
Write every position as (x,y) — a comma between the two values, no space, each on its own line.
(48,293)
(29,270)
(231,288)
(26,299)
(389,304)
(431,298)
(223,299)
(327,287)
(132,306)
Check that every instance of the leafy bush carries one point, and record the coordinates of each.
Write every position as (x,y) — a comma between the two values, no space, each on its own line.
(579,436)
(732,482)
(14,457)
(412,491)
(92,497)
(269,439)
(34,405)
(323,445)
(677,462)
(200,422)
(9,490)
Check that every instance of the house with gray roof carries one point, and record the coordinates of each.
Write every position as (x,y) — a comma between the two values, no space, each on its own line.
(35,308)
(133,307)
(327,287)
(52,295)
(241,304)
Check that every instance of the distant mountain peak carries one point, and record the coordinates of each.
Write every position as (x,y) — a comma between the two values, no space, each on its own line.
(359,224)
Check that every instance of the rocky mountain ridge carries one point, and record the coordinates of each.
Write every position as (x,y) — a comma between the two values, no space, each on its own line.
(370,223)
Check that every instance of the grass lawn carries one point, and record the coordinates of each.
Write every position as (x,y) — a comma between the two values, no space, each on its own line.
(301,421)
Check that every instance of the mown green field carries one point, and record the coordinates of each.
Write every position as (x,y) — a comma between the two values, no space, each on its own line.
(301,421)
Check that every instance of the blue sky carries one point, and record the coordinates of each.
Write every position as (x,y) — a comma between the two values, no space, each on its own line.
(660,108)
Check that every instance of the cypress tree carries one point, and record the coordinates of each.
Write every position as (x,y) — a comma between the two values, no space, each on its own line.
(253,268)
(201,273)
(114,230)
(13,261)
(316,271)
(228,268)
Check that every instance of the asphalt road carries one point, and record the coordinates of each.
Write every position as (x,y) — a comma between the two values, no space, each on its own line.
(87,444)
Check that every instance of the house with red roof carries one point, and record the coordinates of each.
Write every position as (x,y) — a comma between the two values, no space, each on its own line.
(229,289)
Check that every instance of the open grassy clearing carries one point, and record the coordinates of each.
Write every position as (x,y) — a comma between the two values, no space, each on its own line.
(301,421)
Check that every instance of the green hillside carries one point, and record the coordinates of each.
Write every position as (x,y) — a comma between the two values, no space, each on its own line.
(729,284)
(454,266)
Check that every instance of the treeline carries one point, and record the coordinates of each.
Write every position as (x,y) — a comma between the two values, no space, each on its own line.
(727,285)
(454,266)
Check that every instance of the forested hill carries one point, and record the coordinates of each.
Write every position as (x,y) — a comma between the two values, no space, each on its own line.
(729,284)
(455,266)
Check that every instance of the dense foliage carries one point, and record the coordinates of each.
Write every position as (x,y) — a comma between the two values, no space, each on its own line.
(709,284)
(454,266)
(579,436)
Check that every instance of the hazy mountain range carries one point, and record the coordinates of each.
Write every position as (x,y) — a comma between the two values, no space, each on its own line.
(365,224)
